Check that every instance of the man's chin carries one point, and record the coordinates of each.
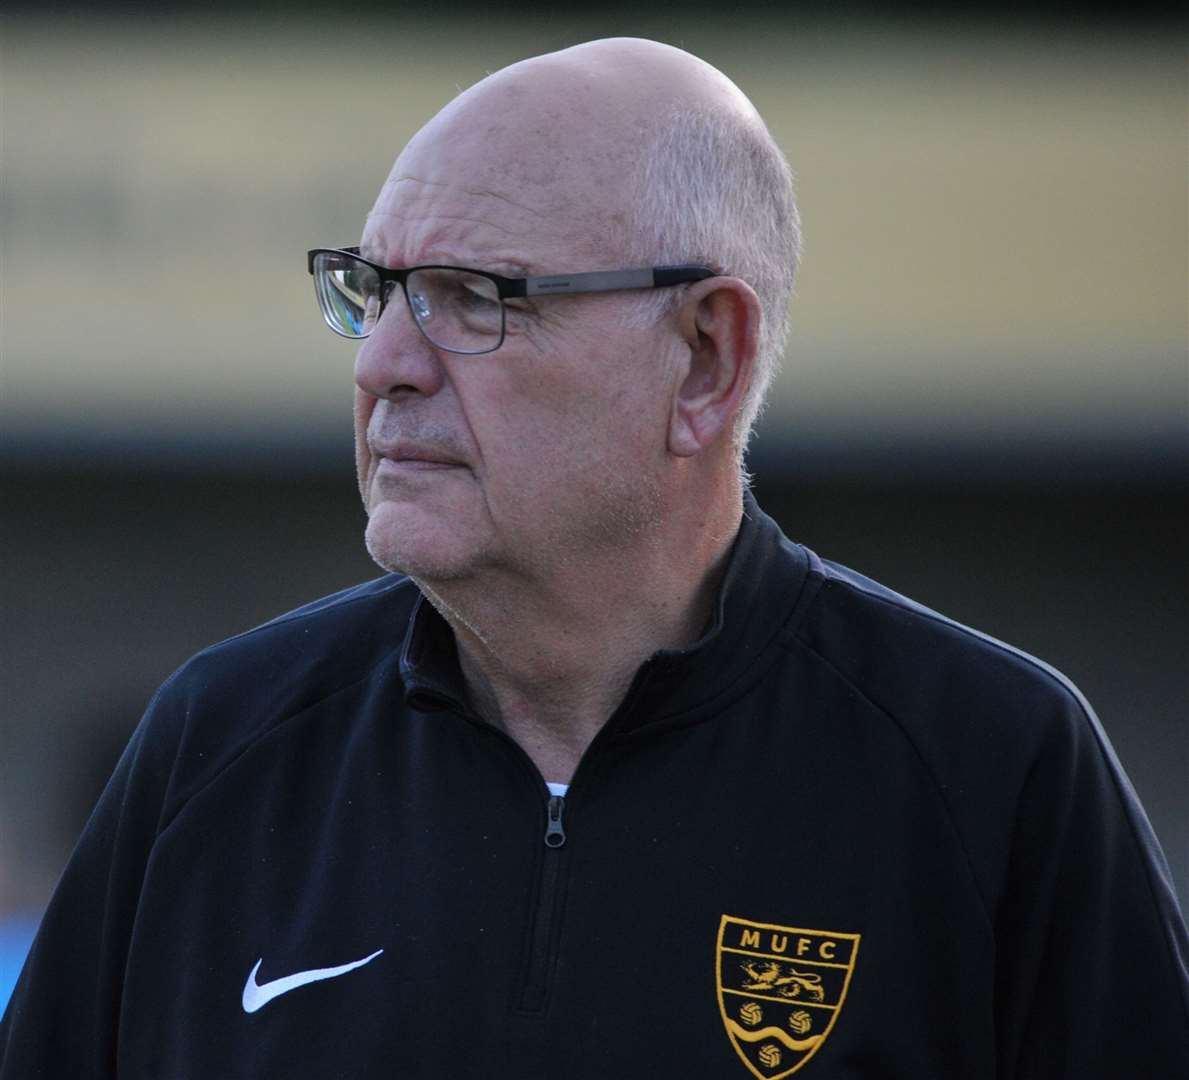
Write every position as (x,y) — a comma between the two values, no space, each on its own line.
(404,541)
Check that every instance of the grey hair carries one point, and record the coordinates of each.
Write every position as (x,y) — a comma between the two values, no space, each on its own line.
(715,189)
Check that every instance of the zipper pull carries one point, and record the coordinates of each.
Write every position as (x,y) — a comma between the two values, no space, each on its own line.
(555,834)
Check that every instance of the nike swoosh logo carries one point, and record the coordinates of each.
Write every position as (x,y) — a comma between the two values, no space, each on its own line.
(257,996)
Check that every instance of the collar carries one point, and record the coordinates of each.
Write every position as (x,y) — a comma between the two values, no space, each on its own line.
(758,595)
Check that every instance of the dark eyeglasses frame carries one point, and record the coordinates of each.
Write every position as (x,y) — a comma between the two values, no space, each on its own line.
(656,277)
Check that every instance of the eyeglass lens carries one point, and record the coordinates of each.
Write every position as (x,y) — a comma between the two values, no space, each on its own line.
(456,310)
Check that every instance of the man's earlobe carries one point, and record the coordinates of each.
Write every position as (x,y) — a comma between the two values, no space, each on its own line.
(720,323)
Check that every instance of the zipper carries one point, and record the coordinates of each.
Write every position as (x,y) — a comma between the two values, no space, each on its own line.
(535,982)
(555,833)
(538,961)
(548,904)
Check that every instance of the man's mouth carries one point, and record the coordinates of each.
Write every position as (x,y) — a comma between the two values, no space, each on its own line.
(405,457)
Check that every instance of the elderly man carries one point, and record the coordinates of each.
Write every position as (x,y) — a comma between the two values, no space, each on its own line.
(608,778)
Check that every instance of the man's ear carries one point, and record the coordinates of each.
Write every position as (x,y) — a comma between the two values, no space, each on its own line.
(720,322)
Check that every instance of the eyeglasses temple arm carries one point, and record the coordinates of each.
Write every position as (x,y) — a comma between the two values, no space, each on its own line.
(607,280)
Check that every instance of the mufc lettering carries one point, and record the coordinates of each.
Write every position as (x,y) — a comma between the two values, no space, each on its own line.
(821,948)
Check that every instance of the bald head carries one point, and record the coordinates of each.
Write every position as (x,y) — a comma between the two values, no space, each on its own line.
(614,153)
(634,65)
(589,105)
(566,129)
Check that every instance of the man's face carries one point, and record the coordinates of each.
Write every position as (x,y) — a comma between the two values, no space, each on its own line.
(547,450)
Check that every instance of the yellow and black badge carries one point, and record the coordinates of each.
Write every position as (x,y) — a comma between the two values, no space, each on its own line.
(780,990)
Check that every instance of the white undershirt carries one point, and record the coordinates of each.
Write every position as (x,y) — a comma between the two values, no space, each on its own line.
(556,789)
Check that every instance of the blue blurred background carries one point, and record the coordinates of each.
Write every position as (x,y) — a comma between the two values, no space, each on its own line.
(984,403)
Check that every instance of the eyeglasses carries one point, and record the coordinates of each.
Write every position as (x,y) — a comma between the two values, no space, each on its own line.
(458,310)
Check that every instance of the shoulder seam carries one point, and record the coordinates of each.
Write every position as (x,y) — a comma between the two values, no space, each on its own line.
(164,823)
(959,838)
(929,615)
(1088,719)
(257,738)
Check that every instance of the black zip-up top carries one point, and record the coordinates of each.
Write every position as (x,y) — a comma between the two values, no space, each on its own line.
(840,836)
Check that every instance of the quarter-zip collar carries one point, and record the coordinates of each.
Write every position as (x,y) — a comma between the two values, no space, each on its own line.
(429,662)
(759,593)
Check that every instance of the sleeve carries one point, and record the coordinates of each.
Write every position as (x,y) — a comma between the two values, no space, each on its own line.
(64,1015)
(1091,949)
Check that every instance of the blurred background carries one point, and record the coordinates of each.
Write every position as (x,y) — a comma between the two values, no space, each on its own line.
(984,403)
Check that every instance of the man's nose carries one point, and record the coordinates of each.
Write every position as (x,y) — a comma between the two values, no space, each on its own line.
(396,360)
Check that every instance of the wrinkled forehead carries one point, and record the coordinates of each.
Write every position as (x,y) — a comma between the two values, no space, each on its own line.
(506,176)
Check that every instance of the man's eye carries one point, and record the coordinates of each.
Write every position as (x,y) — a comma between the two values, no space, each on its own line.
(475,299)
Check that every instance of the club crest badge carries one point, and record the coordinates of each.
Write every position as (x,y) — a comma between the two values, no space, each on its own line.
(780,990)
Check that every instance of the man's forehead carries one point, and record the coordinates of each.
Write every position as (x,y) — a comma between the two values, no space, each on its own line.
(418,220)
(462,187)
